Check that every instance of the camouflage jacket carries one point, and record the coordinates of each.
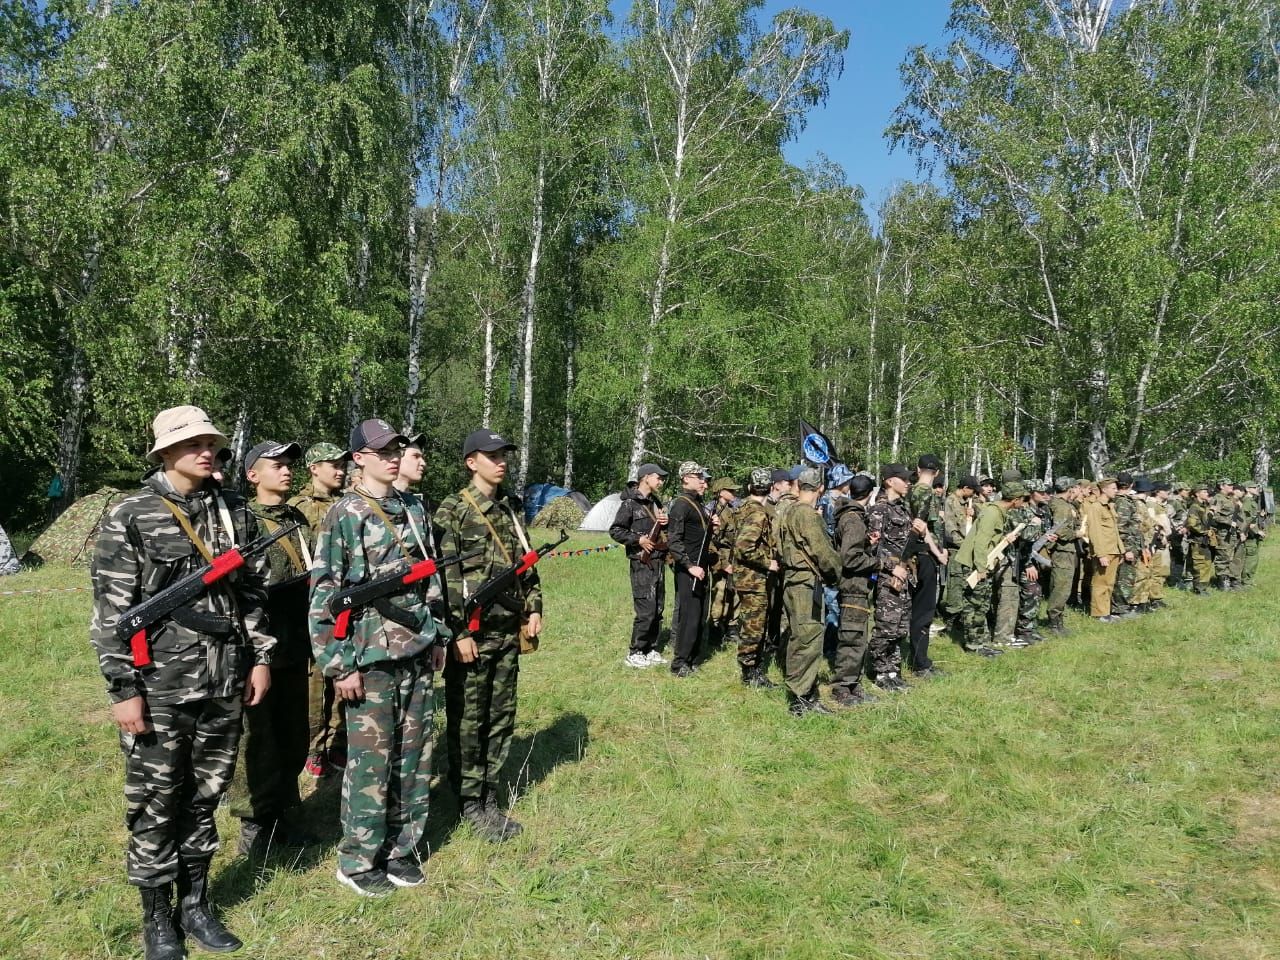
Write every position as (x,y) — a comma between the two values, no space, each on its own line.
(807,554)
(1034,528)
(993,522)
(287,575)
(853,542)
(1199,522)
(722,538)
(1177,508)
(1063,511)
(141,549)
(957,518)
(753,547)
(1128,521)
(314,506)
(355,545)
(1225,512)
(926,505)
(463,529)
(892,520)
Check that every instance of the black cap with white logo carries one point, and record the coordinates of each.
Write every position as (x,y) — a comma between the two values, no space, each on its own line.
(485,441)
(272,450)
(375,435)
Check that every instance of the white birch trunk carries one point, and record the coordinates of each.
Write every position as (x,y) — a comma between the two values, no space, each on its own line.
(528,309)
(569,383)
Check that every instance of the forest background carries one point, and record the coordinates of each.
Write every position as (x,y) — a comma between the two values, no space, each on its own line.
(581,229)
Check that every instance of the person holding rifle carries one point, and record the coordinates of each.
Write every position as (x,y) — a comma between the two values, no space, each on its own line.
(177,694)
(484,659)
(898,539)
(689,532)
(382,657)
(640,526)
(982,561)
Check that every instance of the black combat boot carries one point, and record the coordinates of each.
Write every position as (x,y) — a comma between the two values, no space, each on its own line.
(485,827)
(1055,625)
(160,941)
(756,678)
(509,826)
(194,916)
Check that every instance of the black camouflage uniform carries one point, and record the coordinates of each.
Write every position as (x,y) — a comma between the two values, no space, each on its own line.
(857,566)
(637,517)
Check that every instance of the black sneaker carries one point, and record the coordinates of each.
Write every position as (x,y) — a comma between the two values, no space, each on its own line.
(800,706)
(369,883)
(405,872)
(848,699)
(930,673)
(509,826)
(684,670)
(482,823)
(983,651)
(891,682)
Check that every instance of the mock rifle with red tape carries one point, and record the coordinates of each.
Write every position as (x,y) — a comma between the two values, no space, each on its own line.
(344,603)
(135,622)
(496,587)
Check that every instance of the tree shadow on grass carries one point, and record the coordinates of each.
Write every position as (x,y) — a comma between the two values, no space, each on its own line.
(531,760)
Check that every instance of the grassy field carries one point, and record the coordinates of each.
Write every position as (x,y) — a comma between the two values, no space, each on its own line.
(1112,794)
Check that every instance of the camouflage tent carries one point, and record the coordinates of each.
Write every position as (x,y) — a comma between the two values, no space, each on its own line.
(562,513)
(69,539)
(8,560)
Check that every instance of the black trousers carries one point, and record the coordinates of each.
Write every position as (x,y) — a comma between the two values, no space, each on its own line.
(691,611)
(648,595)
(924,603)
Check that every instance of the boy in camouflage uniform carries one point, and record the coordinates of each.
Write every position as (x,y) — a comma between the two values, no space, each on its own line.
(926,505)
(808,562)
(723,602)
(1226,525)
(484,663)
(1064,555)
(1251,508)
(382,668)
(179,718)
(992,525)
(273,750)
(326,463)
(857,565)
(755,562)
(896,536)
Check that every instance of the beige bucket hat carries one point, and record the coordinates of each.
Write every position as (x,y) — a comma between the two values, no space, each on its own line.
(180,423)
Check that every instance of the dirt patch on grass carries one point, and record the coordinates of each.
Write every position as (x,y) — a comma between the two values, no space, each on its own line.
(1257,821)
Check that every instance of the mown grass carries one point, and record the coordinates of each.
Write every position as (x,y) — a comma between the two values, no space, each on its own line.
(1112,794)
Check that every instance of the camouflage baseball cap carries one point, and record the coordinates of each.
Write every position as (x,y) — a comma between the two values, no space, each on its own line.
(1226,482)
(1012,489)
(689,467)
(1063,484)
(761,477)
(810,478)
(725,483)
(320,452)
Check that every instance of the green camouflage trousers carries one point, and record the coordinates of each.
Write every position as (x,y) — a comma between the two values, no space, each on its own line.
(977,606)
(1061,578)
(273,749)
(853,639)
(1224,555)
(388,774)
(805,615)
(953,592)
(1126,582)
(724,600)
(1250,566)
(1029,593)
(328,730)
(480,710)
(893,622)
(174,777)
(1007,596)
(753,623)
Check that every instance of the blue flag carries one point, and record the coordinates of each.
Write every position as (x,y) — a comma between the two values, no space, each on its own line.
(815,447)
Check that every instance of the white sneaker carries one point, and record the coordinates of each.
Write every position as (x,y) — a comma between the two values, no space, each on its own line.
(637,660)
(654,657)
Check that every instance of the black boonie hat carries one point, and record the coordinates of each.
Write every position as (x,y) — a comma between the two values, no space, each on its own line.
(375,434)
(272,450)
(485,441)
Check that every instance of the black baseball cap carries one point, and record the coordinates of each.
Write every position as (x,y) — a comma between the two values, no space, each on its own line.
(375,434)
(1124,479)
(860,485)
(485,441)
(418,440)
(928,462)
(898,470)
(780,476)
(970,481)
(647,468)
(272,450)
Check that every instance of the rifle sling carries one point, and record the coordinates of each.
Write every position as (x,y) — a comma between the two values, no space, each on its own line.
(466,495)
(299,566)
(185,523)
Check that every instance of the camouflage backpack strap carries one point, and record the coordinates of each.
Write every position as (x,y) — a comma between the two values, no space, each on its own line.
(466,495)
(189,530)
(300,563)
(382,515)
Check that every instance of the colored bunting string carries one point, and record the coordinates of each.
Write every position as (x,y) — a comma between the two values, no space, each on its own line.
(584,552)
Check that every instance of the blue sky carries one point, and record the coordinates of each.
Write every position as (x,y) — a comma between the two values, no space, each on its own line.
(850,128)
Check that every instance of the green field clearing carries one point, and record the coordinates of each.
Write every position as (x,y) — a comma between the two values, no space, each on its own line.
(1112,794)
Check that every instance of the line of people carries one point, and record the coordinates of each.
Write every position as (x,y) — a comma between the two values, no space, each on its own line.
(263,651)
(811,562)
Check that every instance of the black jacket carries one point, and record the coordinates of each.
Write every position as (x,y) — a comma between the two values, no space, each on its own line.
(634,519)
(688,531)
(853,543)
